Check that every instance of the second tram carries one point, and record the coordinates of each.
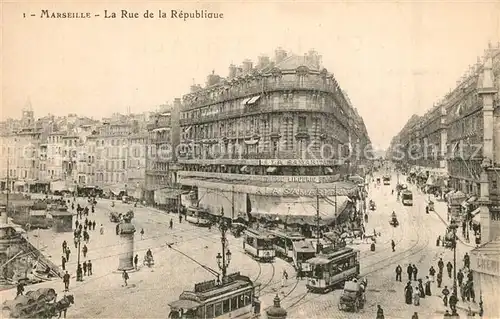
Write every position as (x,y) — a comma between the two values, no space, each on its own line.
(407,198)
(283,243)
(259,244)
(303,250)
(331,269)
(235,297)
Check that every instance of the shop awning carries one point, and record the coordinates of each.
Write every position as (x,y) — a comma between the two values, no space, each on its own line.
(162,129)
(245,101)
(476,217)
(472,199)
(19,183)
(58,186)
(184,304)
(169,193)
(244,168)
(298,210)
(357,179)
(253,100)
(271,169)
(329,170)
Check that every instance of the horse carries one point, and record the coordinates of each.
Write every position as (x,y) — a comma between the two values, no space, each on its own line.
(60,307)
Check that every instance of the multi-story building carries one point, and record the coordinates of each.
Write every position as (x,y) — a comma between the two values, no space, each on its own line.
(472,130)
(161,168)
(136,163)
(55,147)
(269,139)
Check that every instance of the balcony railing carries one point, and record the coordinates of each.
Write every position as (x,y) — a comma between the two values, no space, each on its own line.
(311,154)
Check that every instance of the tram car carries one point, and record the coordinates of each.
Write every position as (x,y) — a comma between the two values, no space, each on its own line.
(259,244)
(198,217)
(386,179)
(235,297)
(407,198)
(303,250)
(372,205)
(332,269)
(283,243)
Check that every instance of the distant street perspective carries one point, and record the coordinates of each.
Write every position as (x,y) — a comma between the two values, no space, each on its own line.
(259,192)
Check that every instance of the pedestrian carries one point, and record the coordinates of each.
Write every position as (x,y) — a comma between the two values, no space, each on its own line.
(399,270)
(125,277)
(68,252)
(64,245)
(421,288)
(469,288)
(438,241)
(427,284)
(85,268)
(66,281)
(117,229)
(416,296)
(432,272)
(85,250)
(466,260)
(171,223)
(470,277)
(63,263)
(93,225)
(180,218)
(85,228)
(102,229)
(20,289)
(460,277)
(415,272)
(89,267)
(408,293)
(380,312)
(73,206)
(79,273)
(449,268)
(76,224)
(409,270)
(284,278)
(86,236)
(439,279)
(415,315)
(136,261)
(393,245)
(440,265)
(453,302)
(142,233)
(86,222)
(299,272)
(445,293)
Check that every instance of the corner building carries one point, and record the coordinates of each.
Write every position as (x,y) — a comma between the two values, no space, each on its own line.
(267,140)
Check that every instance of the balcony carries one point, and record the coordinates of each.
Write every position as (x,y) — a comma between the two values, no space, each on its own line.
(312,82)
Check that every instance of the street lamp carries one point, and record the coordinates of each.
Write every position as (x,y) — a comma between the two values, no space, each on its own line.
(453,227)
(224,258)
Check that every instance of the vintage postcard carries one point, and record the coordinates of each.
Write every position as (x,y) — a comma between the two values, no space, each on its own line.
(250,159)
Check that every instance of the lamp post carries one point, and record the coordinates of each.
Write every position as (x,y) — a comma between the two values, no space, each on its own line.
(224,258)
(453,226)
(79,239)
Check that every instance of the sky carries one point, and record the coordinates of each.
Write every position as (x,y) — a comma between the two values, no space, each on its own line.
(394,59)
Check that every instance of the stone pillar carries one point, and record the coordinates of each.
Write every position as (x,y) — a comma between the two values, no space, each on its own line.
(127,231)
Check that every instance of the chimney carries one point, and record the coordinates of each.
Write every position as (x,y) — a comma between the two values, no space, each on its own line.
(263,62)
(279,55)
(247,66)
(232,71)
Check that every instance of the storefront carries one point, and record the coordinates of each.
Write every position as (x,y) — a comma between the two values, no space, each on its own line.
(485,263)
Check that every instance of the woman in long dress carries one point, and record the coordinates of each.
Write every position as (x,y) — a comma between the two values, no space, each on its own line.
(428,286)
(408,293)
(421,289)
(416,297)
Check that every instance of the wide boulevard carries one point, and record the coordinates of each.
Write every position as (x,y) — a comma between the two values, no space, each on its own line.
(103,295)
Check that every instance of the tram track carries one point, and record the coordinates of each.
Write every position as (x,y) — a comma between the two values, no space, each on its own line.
(400,256)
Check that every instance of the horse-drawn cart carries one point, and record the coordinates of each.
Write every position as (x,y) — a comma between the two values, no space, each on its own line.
(39,303)
(353,296)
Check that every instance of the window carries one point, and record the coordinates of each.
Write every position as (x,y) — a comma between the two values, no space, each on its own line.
(123,164)
(234,303)
(210,311)
(302,121)
(225,306)
(218,309)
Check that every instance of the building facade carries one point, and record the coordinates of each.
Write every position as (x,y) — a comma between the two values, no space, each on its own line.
(161,168)
(268,138)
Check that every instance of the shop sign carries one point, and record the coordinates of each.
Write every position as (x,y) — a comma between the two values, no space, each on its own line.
(488,266)
(299,162)
(307,192)
(262,178)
